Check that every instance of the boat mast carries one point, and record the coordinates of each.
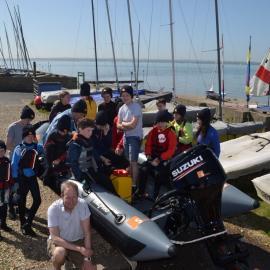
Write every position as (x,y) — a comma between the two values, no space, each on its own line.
(113,52)
(95,43)
(172,50)
(218,58)
(222,67)
(132,45)
(138,59)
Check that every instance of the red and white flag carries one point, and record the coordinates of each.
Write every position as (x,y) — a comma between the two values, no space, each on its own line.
(261,80)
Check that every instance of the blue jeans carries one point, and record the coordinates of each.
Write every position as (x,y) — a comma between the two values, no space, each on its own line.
(132,147)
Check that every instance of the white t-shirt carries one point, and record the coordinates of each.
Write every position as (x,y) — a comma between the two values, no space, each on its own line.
(68,223)
(126,114)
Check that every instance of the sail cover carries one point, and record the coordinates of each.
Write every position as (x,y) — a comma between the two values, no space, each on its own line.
(261,80)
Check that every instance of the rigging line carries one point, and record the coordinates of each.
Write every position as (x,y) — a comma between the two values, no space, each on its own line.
(205,28)
(28,61)
(189,52)
(149,44)
(192,46)
(2,53)
(228,29)
(9,49)
(77,37)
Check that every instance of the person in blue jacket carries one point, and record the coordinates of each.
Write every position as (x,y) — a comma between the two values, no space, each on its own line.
(77,112)
(206,134)
(24,168)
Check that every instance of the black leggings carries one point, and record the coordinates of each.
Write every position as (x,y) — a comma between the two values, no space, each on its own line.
(27,184)
(159,173)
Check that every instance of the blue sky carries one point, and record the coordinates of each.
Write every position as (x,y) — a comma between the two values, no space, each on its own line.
(63,28)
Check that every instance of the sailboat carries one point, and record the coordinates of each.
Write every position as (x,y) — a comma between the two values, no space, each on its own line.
(211,93)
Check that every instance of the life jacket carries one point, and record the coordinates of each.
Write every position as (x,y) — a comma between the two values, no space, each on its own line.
(181,147)
(4,173)
(30,160)
(86,159)
(160,142)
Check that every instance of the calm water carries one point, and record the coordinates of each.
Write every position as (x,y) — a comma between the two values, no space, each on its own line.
(191,78)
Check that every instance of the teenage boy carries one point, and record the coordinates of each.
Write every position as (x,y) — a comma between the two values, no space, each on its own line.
(14,137)
(130,121)
(83,159)
(77,112)
(182,128)
(5,185)
(102,142)
(24,164)
(159,149)
(108,105)
(56,153)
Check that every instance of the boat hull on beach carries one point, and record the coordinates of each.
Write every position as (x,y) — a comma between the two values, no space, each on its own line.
(262,186)
(246,155)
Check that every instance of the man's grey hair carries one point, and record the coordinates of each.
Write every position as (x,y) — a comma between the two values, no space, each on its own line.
(68,184)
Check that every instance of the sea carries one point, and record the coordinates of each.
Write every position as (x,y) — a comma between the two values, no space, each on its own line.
(192,77)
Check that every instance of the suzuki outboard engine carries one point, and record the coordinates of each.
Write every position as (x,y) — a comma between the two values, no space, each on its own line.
(198,179)
(199,174)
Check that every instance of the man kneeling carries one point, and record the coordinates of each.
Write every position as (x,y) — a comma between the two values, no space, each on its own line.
(69,227)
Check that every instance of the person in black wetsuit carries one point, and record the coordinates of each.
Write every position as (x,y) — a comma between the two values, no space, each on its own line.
(56,153)
(85,162)
(5,185)
(61,105)
(108,105)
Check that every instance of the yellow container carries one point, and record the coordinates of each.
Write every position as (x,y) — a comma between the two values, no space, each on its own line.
(123,186)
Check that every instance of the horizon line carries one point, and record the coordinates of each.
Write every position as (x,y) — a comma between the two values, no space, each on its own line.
(143,60)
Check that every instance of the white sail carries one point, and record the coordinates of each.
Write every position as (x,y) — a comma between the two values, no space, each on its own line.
(261,79)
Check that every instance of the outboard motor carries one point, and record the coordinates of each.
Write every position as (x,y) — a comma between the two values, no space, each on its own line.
(198,179)
(199,174)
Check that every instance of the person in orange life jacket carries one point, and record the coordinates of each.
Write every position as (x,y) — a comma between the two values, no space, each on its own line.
(23,165)
(90,102)
(159,149)
(61,105)
(6,183)
(117,134)
(206,134)
(183,129)
(83,159)
(77,112)
(56,152)
(14,137)
(108,105)
(102,142)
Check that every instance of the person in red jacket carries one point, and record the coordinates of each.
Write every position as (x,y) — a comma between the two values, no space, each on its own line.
(159,149)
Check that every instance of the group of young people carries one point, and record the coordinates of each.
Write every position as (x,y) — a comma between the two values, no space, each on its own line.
(89,141)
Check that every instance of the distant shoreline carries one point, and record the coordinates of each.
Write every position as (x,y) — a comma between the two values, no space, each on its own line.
(142,60)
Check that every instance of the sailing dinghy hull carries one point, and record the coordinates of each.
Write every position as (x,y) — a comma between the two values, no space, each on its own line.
(262,186)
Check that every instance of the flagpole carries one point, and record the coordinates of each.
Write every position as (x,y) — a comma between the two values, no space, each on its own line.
(248,72)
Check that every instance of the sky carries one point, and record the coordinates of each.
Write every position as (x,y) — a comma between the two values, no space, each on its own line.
(63,28)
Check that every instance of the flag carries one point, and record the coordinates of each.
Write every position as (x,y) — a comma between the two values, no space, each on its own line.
(247,89)
(261,85)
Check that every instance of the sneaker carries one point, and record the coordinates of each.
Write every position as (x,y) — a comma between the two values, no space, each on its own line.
(27,230)
(5,228)
(12,215)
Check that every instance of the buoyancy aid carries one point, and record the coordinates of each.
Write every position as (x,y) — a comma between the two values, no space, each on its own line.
(30,160)
(158,142)
(86,159)
(5,176)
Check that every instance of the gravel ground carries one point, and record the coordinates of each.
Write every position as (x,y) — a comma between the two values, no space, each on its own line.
(21,252)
